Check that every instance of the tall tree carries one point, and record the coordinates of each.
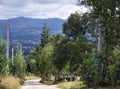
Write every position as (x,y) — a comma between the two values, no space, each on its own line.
(19,63)
(105,15)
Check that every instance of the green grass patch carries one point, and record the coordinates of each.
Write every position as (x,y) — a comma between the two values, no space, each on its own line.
(72,85)
(81,85)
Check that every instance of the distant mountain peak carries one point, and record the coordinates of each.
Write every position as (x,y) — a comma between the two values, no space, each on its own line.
(21,17)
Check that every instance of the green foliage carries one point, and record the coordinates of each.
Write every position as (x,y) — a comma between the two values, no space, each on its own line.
(73,27)
(19,64)
(90,66)
(61,53)
(114,67)
(66,69)
(32,66)
(2,46)
(69,54)
(3,64)
(45,36)
(45,59)
(3,59)
(105,15)
(43,54)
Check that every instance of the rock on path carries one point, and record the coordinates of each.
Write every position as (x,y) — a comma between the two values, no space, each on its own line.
(34,84)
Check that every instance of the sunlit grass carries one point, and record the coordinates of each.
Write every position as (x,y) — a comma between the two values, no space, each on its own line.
(71,85)
(81,85)
(32,77)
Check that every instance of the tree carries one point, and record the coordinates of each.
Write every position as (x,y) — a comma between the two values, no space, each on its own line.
(3,59)
(45,59)
(105,15)
(36,54)
(31,66)
(114,66)
(61,53)
(45,36)
(19,63)
(90,66)
(70,53)
(73,26)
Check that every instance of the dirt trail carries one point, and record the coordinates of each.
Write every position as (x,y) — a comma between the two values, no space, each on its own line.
(34,84)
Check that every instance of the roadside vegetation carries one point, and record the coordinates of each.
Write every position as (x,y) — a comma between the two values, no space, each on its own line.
(10,83)
(79,85)
(72,85)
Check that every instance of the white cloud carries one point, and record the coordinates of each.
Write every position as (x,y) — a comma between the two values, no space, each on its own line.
(38,8)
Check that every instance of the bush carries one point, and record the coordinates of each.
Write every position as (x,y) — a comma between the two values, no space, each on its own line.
(10,83)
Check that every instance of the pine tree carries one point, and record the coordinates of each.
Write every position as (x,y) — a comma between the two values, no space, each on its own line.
(45,36)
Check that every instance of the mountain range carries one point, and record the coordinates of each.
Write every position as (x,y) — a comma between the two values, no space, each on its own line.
(26,31)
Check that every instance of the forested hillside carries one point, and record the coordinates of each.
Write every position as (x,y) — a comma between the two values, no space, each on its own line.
(27,30)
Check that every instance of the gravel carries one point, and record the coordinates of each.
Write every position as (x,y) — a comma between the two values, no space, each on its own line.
(34,84)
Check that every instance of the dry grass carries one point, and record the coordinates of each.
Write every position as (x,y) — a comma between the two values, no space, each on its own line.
(10,83)
(1,78)
(71,85)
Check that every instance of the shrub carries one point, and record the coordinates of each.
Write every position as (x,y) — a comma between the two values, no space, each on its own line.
(10,83)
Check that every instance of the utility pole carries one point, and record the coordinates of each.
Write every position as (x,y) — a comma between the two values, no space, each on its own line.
(21,48)
(8,41)
(12,56)
(13,61)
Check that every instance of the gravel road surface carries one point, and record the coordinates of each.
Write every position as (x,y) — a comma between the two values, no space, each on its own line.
(34,84)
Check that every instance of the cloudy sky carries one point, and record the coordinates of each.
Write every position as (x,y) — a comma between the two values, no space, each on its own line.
(38,8)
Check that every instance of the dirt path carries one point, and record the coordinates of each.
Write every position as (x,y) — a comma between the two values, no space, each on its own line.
(34,84)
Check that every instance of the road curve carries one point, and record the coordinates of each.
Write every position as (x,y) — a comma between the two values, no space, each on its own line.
(34,84)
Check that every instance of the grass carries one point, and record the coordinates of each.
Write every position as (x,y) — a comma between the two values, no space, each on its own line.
(72,85)
(10,83)
(80,85)
(118,87)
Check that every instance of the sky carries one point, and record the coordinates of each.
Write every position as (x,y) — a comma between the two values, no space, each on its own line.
(39,8)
